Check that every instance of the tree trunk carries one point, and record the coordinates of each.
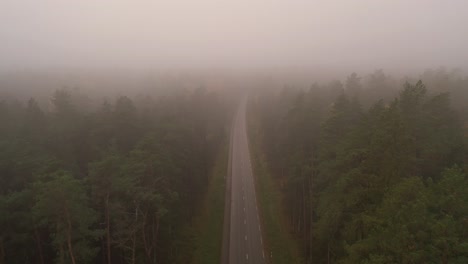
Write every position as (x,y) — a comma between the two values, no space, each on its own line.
(299,209)
(304,216)
(61,250)
(2,252)
(147,245)
(108,235)
(133,248)
(103,256)
(39,245)
(62,254)
(134,235)
(311,220)
(155,240)
(69,236)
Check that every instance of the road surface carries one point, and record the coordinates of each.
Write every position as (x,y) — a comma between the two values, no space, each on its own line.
(245,243)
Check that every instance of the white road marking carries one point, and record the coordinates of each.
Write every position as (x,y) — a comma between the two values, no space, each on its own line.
(263,253)
(245,222)
(245,237)
(247,256)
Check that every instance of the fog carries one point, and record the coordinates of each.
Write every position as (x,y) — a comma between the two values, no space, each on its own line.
(361,35)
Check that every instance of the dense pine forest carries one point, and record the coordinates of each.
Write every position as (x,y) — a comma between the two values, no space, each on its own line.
(373,170)
(115,183)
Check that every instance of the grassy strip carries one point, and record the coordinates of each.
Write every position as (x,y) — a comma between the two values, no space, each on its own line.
(209,231)
(280,245)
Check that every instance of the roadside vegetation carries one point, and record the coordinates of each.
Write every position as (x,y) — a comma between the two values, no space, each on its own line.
(279,245)
(209,225)
(370,171)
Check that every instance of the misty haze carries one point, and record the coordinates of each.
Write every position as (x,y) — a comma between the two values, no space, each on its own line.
(262,131)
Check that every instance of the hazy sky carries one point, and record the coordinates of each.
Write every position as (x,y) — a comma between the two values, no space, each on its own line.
(235,33)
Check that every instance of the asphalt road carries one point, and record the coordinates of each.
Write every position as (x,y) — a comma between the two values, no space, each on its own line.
(245,243)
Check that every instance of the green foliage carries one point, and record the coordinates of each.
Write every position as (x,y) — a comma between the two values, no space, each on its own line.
(414,223)
(63,206)
(209,225)
(372,185)
(113,184)
(279,244)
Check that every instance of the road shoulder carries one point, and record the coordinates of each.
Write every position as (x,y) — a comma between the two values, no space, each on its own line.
(279,244)
(210,223)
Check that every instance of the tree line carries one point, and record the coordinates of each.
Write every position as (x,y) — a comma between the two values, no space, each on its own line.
(371,174)
(116,184)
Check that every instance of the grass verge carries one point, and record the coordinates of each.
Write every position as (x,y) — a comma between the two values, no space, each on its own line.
(209,225)
(280,246)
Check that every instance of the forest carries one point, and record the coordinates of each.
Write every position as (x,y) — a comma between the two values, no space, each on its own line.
(372,170)
(118,182)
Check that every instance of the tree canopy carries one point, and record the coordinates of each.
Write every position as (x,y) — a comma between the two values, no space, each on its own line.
(380,182)
(114,184)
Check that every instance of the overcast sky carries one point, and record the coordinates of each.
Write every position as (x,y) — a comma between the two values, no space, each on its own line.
(236,33)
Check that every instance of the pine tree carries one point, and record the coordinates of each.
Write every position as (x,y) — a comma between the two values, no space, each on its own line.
(63,206)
